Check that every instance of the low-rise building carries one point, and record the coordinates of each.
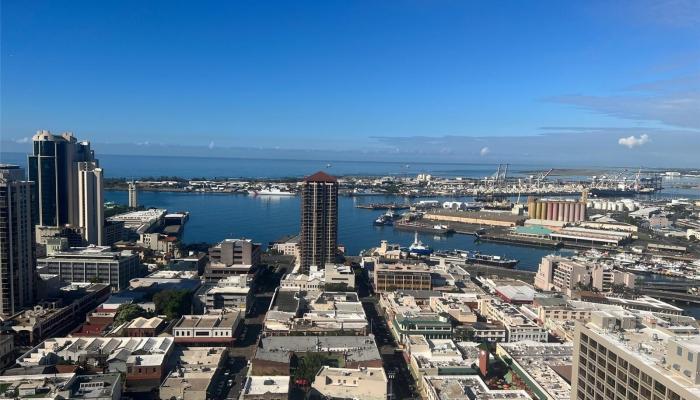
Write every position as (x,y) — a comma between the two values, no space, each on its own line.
(315,313)
(232,257)
(207,329)
(560,274)
(466,387)
(141,360)
(351,383)
(233,292)
(143,327)
(92,264)
(58,316)
(440,357)
(273,354)
(541,366)
(194,376)
(455,307)
(62,386)
(518,326)
(430,325)
(273,387)
(390,277)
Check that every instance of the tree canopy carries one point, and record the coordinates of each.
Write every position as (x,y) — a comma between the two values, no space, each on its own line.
(172,303)
(128,312)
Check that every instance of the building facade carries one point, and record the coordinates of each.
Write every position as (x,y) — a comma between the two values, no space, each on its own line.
(91,200)
(319,220)
(17,257)
(389,277)
(92,264)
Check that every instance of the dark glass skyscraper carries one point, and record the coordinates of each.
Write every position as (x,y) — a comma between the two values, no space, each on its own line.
(319,220)
(54,170)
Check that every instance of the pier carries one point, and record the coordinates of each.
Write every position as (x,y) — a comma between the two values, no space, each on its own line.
(383,206)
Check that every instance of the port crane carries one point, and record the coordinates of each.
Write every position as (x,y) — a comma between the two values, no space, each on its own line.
(541,177)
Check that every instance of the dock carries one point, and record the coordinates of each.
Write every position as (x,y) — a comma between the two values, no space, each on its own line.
(519,240)
(414,226)
(384,206)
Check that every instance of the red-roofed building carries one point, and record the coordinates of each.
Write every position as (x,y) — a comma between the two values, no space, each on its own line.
(320,176)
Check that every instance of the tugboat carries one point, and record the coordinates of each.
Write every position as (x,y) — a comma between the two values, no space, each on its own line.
(476,258)
(387,218)
(418,248)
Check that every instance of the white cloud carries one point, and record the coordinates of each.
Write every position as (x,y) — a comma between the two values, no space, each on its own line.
(211,145)
(484,151)
(632,141)
(22,140)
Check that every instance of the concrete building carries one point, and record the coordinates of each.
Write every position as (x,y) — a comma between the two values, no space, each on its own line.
(289,246)
(315,313)
(466,387)
(133,195)
(53,167)
(566,275)
(429,357)
(540,366)
(62,386)
(390,277)
(231,293)
(58,316)
(232,257)
(91,200)
(92,264)
(518,326)
(351,383)
(336,277)
(194,378)
(17,246)
(160,243)
(207,329)
(266,388)
(141,360)
(319,220)
(632,356)
(505,219)
(273,354)
(430,325)
(235,252)
(141,221)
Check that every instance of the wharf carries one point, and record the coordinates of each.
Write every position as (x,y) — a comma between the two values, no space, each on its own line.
(383,206)
(518,240)
(422,227)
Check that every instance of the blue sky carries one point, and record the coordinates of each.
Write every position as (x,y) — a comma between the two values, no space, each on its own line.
(431,80)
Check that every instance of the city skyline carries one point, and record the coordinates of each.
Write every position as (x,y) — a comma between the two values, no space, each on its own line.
(406,81)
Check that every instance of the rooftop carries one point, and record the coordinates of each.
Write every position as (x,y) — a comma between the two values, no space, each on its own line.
(540,362)
(259,385)
(320,176)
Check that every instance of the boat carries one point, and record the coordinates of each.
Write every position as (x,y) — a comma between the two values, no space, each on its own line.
(477,258)
(418,248)
(273,191)
(416,226)
(383,220)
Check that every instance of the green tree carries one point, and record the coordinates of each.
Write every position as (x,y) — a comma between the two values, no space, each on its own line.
(172,303)
(127,312)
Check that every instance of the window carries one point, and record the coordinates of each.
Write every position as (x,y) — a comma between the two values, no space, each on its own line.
(679,351)
(690,356)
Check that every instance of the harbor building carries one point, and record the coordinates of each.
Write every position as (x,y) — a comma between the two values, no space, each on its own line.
(92,264)
(318,242)
(390,277)
(505,219)
(560,274)
(635,356)
(91,200)
(556,210)
(17,257)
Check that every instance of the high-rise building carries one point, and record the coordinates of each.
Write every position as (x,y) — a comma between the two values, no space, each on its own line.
(636,355)
(133,195)
(319,220)
(91,202)
(54,170)
(17,257)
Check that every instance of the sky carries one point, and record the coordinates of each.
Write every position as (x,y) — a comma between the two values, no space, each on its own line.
(572,83)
